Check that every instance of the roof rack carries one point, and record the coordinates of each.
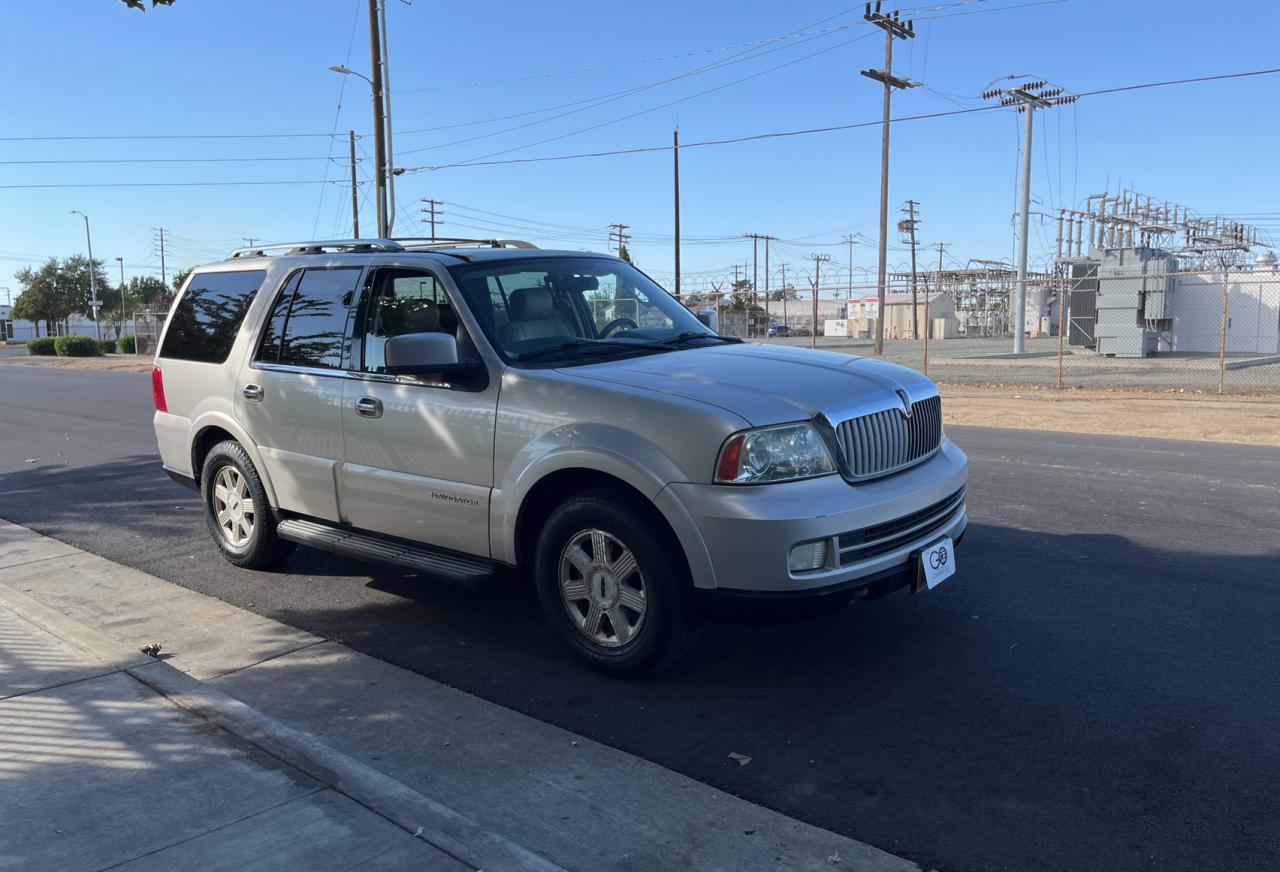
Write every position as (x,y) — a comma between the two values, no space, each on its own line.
(317,247)
(400,243)
(421,242)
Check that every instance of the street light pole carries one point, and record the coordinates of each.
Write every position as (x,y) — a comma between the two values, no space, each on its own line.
(93,282)
(379,130)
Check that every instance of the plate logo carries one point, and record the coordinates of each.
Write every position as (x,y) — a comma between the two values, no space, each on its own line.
(938,557)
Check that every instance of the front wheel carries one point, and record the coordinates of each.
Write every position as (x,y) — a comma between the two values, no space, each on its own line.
(613,582)
(236,508)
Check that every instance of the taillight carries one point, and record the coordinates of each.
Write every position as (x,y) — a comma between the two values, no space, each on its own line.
(157,390)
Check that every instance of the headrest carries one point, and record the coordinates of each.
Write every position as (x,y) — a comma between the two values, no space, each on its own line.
(407,315)
(531,304)
(424,317)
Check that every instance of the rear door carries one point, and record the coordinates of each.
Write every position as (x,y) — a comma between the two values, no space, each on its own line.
(290,396)
(419,450)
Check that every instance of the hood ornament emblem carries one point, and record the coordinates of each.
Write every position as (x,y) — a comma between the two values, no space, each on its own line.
(906,402)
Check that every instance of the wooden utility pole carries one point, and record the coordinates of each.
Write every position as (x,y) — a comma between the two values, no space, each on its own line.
(675,152)
(355,190)
(893,29)
(818,261)
(379,124)
(619,236)
(433,213)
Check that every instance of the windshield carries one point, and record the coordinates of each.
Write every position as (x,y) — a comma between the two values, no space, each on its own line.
(559,310)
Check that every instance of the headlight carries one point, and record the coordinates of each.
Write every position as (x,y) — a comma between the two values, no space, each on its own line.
(782,453)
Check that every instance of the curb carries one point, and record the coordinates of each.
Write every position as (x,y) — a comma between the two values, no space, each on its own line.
(416,814)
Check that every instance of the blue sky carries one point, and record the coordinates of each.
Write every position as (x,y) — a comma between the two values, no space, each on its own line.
(235,67)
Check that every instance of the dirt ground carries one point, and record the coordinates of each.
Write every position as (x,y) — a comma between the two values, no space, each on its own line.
(117,362)
(1252,420)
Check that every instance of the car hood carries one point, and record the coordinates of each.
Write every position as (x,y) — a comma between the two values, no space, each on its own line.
(767,384)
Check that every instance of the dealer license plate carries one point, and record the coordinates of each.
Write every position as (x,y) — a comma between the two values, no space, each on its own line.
(938,562)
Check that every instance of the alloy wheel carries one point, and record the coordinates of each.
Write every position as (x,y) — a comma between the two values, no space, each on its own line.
(602,588)
(233,507)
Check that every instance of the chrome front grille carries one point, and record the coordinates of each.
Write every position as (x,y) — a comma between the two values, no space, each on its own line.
(886,441)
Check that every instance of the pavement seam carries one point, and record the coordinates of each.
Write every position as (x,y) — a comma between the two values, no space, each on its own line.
(321,788)
(81,680)
(76,553)
(268,659)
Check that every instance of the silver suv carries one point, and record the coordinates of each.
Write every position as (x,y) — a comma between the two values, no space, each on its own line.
(451,407)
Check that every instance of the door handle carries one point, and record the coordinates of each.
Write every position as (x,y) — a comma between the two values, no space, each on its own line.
(369,407)
(253,393)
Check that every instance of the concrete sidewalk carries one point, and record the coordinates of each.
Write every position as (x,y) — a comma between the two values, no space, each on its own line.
(100,771)
(252,740)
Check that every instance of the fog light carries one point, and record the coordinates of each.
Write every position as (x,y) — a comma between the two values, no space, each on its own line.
(807,556)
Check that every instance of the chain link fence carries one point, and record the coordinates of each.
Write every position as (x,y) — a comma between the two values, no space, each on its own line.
(1137,326)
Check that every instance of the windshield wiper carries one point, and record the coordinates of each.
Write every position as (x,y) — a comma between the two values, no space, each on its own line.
(581,343)
(697,334)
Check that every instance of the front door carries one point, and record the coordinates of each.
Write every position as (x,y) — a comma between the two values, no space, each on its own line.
(419,451)
(290,396)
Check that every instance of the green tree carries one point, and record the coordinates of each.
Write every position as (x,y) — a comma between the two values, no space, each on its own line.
(179,277)
(625,254)
(40,300)
(141,5)
(73,281)
(149,290)
(58,289)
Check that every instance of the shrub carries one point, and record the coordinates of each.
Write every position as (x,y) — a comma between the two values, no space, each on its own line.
(77,346)
(108,346)
(126,345)
(42,346)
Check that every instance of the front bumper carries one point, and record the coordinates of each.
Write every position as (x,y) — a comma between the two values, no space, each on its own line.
(739,537)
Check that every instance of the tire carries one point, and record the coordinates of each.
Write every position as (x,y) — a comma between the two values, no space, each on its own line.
(585,580)
(246,532)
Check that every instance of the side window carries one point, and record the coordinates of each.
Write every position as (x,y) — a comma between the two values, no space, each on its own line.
(308,325)
(269,349)
(404,301)
(208,317)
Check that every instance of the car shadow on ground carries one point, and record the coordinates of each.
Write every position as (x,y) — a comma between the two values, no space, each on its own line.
(1051,706)
(1067,701)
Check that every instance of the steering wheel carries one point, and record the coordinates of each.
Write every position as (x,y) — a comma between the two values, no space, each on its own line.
(616,323)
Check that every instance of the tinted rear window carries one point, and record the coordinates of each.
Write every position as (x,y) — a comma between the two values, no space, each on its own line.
(208,317)
(308,324)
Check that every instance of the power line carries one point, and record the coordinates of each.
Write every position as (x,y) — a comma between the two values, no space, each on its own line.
(602,100)
(168,184)
(827,129)
(158,160)
(696,52)
(666,105)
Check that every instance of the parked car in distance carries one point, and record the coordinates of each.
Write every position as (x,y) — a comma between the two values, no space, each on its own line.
(780,330)
(454,406)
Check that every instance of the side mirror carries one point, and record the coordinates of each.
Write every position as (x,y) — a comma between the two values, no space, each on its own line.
(427,354)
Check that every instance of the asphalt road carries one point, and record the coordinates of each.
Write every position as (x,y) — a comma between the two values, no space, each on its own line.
(1096,689)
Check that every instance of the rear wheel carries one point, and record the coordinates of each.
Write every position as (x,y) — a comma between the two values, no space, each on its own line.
(613,582)
(236,508)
